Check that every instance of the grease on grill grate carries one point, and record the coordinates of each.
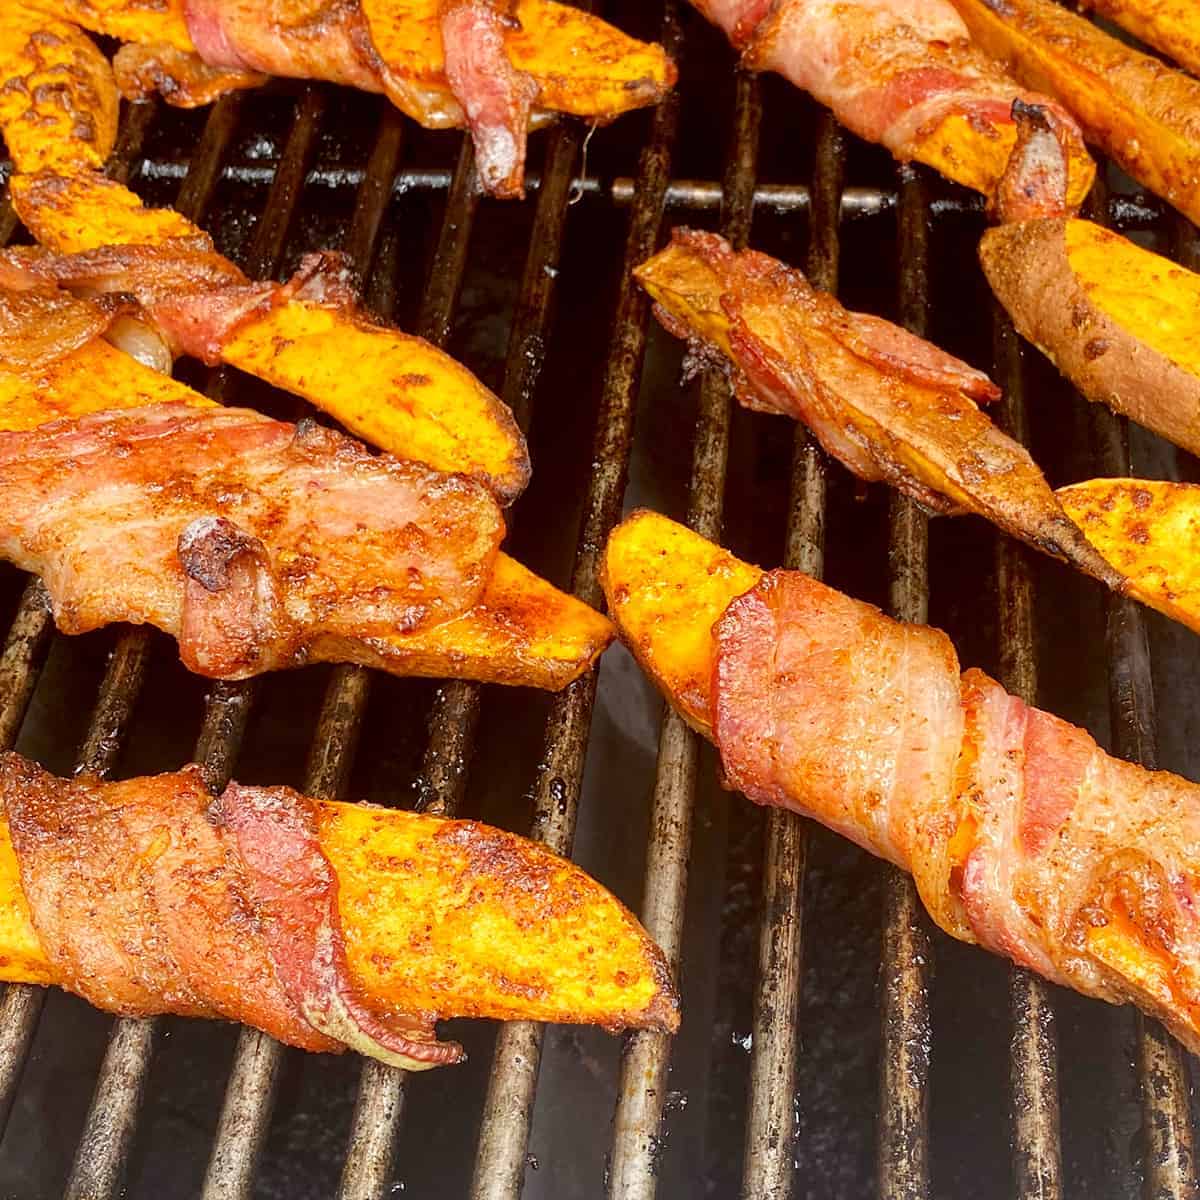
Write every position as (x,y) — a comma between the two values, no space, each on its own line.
(832,1045)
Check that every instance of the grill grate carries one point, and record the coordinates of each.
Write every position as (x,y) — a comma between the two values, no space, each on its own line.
(832,210)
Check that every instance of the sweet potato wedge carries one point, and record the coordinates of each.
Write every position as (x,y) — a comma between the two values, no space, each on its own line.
(581,64)
(90,379)
(1172,26)
(1150,531)
(145,21)
(1120,322)
(453,918)
(85,210)
(1142,114)
(394,390)
(58,102)
(666,587)
(524,631)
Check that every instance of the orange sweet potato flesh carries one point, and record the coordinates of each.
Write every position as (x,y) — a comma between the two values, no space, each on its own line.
(58,102)
(1172,26)
(666,587)
(524,631)
(581,64)
(144,21)
(1149,530)
(1144,115)
(394,390)
(452,918)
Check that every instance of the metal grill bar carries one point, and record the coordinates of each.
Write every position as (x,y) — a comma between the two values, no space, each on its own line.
(770,1128)
(1033,1069)
(504,1135)
(103,1149)
(249,1097)
(903,1151)
(380,1102)
(20,665)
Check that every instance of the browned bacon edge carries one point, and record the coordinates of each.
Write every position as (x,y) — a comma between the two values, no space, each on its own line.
(333,42)
(151,896)
(1022,834)
(195,298)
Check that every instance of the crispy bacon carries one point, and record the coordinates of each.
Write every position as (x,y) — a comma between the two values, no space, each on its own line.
(891,70)
(183,79)
(197,299)
(1022,834)
(294,889)
(255,542)
(297,39)
(890,406)
(149,896)
(40,325)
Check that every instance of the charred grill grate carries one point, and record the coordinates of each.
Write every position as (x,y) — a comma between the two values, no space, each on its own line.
(499,1111)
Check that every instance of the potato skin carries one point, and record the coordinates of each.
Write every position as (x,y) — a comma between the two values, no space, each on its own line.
(1027,267)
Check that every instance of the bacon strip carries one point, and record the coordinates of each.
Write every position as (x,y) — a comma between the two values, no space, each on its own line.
(250,540)
(891,70)
(294,889)
(496,98)
(1022,834)
(148,896)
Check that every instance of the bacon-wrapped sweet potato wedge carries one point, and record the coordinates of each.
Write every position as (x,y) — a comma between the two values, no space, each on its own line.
(495,66)
(309,337)
(889,405)
(507,626)
(1142,114)
(1022,835)
(903,73)
(1119,321)
(330,926)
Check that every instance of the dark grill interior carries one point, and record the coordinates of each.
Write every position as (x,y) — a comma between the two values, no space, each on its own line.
(895,1059)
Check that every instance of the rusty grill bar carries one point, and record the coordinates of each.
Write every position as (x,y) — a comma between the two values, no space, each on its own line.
(829,205)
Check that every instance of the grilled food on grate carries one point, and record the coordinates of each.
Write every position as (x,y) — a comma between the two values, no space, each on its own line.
(260,545)
(1142,114)
(1172,26)
(308,336)
(1021,833)
(330,926)
(900,72)
(887,404)
(491,65)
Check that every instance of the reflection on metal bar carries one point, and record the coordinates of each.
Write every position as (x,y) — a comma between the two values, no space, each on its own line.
(903,1146)
(1170,1161)
(103,1149)
(1036,1142)
(504,1127)
(769,1163)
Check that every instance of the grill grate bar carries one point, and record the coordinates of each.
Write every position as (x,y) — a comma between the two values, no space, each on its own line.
(20,665)
(903,1148)
(1170,1162)
(1033,1068)
(771,1124)
(379,1108)
(103,1151)
(508,1107)
(249,1098)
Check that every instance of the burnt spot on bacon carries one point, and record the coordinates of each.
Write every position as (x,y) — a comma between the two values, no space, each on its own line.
(1034,184)
(294,889)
